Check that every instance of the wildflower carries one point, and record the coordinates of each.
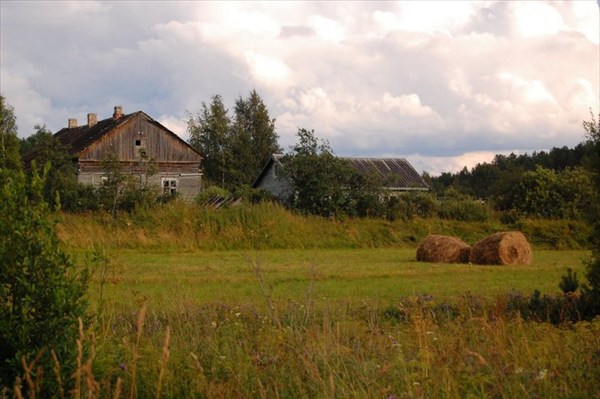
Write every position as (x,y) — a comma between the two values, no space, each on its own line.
(542,374)
(213,324)
(123,366)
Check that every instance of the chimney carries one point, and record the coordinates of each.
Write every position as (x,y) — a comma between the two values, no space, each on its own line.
(118,112)
(92,119)
(72,123)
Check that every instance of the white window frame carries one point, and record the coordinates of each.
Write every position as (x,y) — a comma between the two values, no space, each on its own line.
(169,185)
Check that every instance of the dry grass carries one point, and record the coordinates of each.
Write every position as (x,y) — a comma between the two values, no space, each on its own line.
(443,249)
(342,350)
(505,248)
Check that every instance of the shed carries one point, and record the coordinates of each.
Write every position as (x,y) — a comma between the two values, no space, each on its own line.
(396,174)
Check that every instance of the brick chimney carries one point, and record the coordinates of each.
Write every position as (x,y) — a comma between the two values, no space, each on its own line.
(92,119)
(118,112)
(72,123)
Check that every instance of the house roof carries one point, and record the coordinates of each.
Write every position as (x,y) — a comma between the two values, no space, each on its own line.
(79,138)
(395,173)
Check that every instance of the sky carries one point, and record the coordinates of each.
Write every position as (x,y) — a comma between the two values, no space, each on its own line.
(442,84)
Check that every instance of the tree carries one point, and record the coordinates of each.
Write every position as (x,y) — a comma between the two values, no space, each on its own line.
(9,142)
(252,140)
(209,134)
(234,149)
(42,293)
(592,289)
(61,187)
(320,178)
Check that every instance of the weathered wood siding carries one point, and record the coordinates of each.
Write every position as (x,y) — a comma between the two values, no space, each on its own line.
(158,143)
(174,158)
(188,185)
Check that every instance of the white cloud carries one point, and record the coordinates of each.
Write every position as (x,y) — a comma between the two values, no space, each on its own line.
(440,79)
(437,165)
(532,91)
(327,29)
(533,18)
(407,105)
(266,69)
(176,125)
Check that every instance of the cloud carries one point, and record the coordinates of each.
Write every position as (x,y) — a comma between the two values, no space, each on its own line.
(291,31)
(448,81)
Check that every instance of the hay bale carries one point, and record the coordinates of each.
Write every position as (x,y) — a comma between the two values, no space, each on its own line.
(436,249)
(505,248)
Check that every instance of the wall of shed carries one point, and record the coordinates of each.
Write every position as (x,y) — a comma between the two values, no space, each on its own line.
(279,186)
(189,185)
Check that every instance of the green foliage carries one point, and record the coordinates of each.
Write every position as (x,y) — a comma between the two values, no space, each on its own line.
(127,192)
(235,148)
(501,182)
(9,143)
(591,290)
(456,206)
(568,282)
(320,178)
(42,293)
(544,193)
(61,187)
(209,134)
(363,194)
(211,192)
(407,206)
(253,139)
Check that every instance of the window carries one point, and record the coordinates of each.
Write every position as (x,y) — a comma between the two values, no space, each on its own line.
(138,143)
(169,185)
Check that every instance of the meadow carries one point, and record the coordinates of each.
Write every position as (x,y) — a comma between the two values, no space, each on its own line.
(381,275)
(234,304)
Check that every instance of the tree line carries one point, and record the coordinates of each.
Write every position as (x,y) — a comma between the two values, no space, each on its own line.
(237,143)
(553,184)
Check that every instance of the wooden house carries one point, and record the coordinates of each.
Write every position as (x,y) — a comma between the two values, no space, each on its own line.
(396,174)
(137,140)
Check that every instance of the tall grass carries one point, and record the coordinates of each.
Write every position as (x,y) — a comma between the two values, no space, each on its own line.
(186,226)
(305,344)
(341,350)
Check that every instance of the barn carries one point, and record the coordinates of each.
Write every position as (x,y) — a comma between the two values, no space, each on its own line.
(396,174)
(135,139)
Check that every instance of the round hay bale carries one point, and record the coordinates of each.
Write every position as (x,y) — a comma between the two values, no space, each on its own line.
(443,249)
(504,248)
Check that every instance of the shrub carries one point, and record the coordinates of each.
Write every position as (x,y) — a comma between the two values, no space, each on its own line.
(42,295)
(464,209)
(568,282)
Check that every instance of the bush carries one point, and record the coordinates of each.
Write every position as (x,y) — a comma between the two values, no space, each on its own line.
(568,282)
(464,209)
(42,295)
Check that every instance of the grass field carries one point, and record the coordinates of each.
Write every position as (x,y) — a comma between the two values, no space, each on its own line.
(172,319)
(378,275)
(335,323)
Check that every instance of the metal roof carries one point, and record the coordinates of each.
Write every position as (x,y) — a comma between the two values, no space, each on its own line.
(395,173)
